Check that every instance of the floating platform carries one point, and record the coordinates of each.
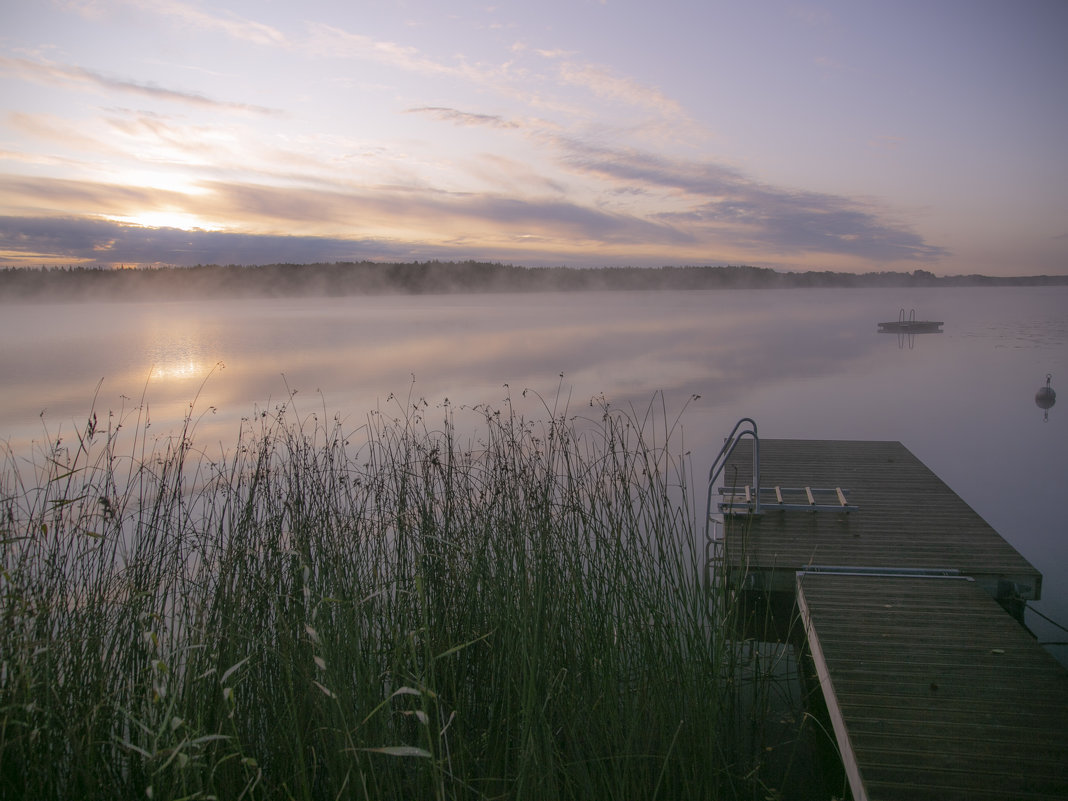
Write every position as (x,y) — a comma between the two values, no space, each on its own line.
(910,325)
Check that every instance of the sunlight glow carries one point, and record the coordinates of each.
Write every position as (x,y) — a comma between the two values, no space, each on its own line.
(179,370)
(164,219)
(417,131)
(167,202)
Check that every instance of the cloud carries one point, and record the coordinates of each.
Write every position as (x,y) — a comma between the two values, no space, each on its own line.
(122,127)
(49,128)
(807,222)
(635,166)
(506,78)
(333,42)
(603,83)
(672,208)
(412,219)
(68,75)
(69,240)
(464,118)
(29,192)
(102,241)
(436,216)
(232,25)
(34,158)
(744,213)
(511,176)
(560,218)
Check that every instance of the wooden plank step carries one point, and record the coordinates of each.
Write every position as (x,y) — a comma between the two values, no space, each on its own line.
(742,499)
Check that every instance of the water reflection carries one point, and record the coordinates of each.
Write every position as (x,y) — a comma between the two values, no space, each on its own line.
(805,363)
(902,338)
(808,356)
(178,346)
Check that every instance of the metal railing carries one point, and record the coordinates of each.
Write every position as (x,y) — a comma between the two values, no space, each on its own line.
(713,544)
(720,462)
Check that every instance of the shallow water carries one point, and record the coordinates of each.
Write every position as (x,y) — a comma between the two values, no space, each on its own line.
(803,363)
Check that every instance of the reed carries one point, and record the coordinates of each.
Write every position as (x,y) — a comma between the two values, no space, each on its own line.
(448,602)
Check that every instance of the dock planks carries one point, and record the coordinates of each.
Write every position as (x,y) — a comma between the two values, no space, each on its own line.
(907,518)
(934,692)
(933,689)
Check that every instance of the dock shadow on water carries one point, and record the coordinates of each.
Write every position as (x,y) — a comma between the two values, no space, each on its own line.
(447,602)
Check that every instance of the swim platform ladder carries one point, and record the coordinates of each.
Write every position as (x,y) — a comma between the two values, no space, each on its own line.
(754,499)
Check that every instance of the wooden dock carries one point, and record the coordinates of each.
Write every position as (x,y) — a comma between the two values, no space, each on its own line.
(934,690)
(906,518)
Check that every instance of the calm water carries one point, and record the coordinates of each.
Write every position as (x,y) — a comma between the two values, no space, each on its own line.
(803,363)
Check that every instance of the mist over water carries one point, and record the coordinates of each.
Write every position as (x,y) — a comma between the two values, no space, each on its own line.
(805,364)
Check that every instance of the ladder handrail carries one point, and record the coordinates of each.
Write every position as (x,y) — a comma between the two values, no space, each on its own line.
(728,443)
(720,462)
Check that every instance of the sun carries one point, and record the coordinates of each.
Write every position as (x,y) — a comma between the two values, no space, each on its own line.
(166,198)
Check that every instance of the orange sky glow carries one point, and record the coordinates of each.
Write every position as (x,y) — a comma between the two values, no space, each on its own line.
(793,135)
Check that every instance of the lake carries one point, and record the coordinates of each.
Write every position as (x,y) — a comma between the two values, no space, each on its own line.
(806,364)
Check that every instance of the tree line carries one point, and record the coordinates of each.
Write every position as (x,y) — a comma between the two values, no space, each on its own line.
(436,277)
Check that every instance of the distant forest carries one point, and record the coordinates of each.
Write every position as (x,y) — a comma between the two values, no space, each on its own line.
(435,277)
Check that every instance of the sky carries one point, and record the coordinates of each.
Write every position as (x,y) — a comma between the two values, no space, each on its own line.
(853,136)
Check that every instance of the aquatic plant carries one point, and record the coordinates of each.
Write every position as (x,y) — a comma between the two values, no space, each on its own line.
(492,608)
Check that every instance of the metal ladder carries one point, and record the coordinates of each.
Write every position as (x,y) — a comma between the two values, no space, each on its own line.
(754,499)
(748,499)
(713,541)
(729,444)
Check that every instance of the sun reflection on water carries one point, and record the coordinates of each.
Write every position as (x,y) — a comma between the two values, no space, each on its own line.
(179,370)
(178,348)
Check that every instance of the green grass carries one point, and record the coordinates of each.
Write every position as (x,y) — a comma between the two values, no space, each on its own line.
(399,611)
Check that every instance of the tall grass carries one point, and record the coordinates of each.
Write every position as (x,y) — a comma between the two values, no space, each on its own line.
(400,611)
